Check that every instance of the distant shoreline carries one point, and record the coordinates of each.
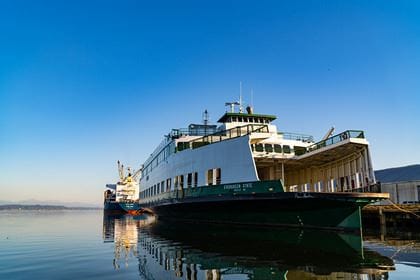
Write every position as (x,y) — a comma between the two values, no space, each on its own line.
(43,207)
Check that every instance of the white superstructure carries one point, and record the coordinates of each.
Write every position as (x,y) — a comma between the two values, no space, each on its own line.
(248,147)
(127,188)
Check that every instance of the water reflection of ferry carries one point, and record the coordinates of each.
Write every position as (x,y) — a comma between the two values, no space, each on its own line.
(220,252)
(122,230)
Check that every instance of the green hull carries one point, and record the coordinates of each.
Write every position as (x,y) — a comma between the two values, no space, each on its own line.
(263,203)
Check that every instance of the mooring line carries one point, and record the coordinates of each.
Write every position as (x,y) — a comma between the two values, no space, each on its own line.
(403,210)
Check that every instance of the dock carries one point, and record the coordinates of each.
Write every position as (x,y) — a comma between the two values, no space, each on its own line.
(392,215)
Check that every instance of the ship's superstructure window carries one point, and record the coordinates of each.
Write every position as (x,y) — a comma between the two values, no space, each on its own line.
(277,148)
(195,179)
(268,148)
(259,147)
(181,182)
(176,183)
(299,150)
(209,177)
(286,149)
(189,180)
(218,175)
(168,184)
(162,186)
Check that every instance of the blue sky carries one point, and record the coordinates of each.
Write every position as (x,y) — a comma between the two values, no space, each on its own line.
(84,83)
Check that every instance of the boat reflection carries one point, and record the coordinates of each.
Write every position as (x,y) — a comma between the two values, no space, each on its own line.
(199,251)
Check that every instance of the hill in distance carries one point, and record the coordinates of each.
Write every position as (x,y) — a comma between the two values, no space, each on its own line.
(398,174)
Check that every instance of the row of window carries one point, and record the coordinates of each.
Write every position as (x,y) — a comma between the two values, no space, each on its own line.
(276,148)
(213,177)
(270,148)
(159,158)
(247,119)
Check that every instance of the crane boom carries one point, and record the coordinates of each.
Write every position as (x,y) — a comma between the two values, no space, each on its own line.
(329,133)
(120,171)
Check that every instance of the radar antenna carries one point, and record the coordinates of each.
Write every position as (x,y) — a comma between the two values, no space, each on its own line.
(206,117)
(232,105)
(205,120)
(240,97)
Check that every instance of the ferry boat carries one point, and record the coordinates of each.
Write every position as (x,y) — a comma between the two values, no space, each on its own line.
(124,195)
(246,171)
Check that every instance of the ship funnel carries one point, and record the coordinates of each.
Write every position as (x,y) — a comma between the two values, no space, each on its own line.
(250,110)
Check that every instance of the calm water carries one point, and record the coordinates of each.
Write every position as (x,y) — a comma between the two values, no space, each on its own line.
(89,245)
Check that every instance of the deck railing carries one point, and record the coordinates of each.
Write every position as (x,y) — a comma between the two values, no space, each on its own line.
(297,136)
(336,139)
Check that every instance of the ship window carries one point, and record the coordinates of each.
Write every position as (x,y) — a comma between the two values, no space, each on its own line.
(195,179)
(154,190)
(209,177)
(182,146)
(168,184)
(299,150)
(259,148)
(218,176)
(277,148)
(157,188)
(286,149)
(268,148)
(234,119)
(189,180)
(162,186)
(181,181)
(176,183)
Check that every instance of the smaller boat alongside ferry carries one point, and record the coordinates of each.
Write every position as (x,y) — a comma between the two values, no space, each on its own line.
(124,195)
(111,206)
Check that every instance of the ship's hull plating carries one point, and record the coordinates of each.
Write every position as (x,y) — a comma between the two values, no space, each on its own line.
(113,207)
(264,203)
(131,207)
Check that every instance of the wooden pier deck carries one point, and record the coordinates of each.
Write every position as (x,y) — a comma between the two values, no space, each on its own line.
(401,215)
